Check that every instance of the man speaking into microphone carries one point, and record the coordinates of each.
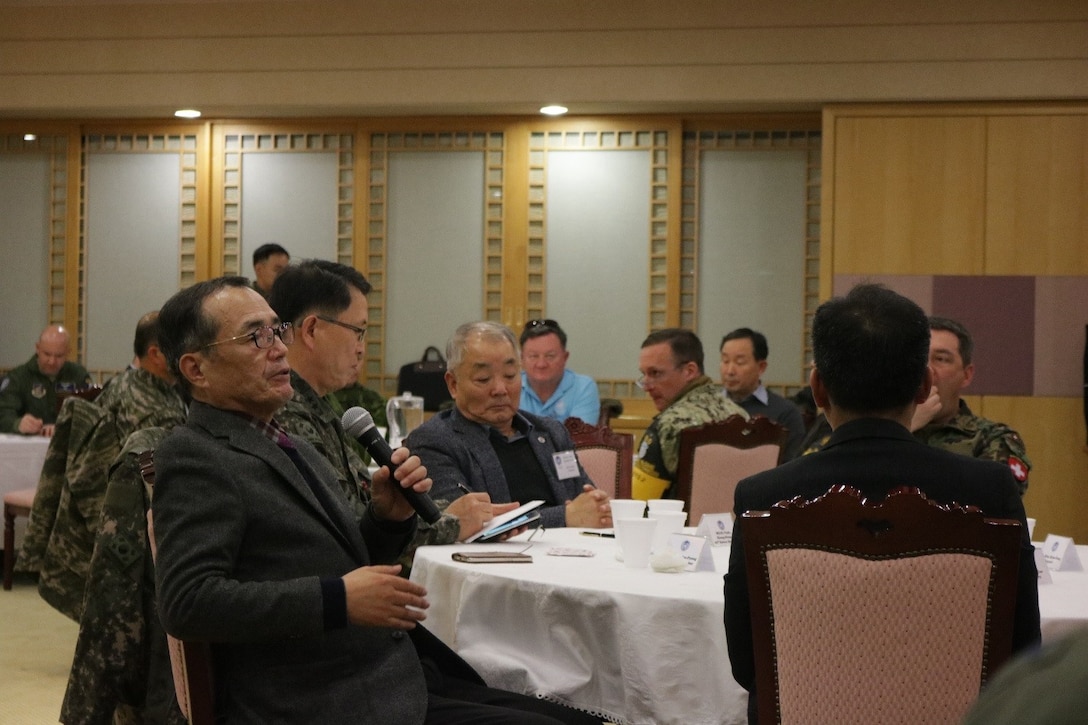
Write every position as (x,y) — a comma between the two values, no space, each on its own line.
(326,304)
(261,555)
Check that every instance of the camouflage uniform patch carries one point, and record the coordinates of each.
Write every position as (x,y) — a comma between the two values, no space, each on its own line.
(64,520)
(357,394)
(138,399)
(700,402)
(363,397)
(311,418)
(971,435)
(121,670)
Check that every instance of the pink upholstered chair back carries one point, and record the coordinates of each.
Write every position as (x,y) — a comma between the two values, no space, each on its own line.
(190,662)
(714,457)
(885,613)
(606,456)
(716,471)
(601,465)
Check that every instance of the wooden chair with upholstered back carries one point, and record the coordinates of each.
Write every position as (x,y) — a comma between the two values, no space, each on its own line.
(892,612)
(89,393)
(715,457)
(190,662)
(606,456)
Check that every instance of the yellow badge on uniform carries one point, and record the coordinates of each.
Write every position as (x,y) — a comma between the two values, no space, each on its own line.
(645,484)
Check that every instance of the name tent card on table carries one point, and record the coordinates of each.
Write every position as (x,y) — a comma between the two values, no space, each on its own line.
(1041,569)
(716,527)
(1061,554)
(693,550)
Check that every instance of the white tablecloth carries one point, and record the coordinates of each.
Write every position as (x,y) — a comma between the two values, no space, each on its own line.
(1063,603)
(21,460)
(635,646)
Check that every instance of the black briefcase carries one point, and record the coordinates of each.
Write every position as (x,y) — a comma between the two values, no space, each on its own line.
(426,378)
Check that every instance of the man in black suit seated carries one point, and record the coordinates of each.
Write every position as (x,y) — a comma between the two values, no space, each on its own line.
(871,351)
(260,553)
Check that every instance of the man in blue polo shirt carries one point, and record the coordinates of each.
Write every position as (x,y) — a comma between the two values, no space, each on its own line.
(547,388)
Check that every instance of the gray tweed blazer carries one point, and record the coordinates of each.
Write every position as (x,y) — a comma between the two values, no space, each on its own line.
(242,546)
(457,450)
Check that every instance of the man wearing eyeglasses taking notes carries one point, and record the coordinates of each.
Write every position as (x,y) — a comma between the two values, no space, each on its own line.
(548,388)
(489,445)
(261,555)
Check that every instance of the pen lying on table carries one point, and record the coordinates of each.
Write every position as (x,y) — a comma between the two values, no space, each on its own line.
(602,534)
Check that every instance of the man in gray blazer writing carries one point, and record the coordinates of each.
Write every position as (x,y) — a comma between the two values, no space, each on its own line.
(260,554)
(485,444)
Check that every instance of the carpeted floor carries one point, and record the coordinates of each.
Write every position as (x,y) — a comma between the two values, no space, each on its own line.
(36,645)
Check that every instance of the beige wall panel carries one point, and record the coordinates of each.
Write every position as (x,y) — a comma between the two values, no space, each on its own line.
(1053,430)
(243,59)
(1037,195)
(274,17)
(536,48)
(908,195)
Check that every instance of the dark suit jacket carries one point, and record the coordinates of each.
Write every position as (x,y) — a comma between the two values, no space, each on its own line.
(876,456)
(242,545)
(457,450)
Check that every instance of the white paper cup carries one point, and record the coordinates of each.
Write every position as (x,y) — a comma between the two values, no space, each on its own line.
(627,508)
(665,504)
(668,523)
(636,536)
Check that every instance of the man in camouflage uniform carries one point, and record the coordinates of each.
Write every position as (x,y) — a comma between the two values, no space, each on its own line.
(671,363)
(144,396)
(121,669)
(358,395)
(326,304)
(28,395)
(945,421)
(64,520)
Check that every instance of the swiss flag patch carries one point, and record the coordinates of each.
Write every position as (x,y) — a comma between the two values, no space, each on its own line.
(1019,470)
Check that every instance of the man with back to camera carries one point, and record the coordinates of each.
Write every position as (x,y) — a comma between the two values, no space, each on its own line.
(485,443)
(671,365)
(945,421)
(326,304)
(260,554)
(744,360)
(28,395)
(268,261)
(548,388)
(871,350)
(144,396)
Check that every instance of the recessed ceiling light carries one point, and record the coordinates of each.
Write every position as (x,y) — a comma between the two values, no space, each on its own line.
(187,113)
(553,110)
(30,137)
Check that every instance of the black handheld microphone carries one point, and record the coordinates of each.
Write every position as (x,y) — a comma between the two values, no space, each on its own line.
(359,424)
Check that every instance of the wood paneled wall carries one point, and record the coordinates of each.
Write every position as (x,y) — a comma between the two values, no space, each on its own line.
(421,57)
(986,190)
